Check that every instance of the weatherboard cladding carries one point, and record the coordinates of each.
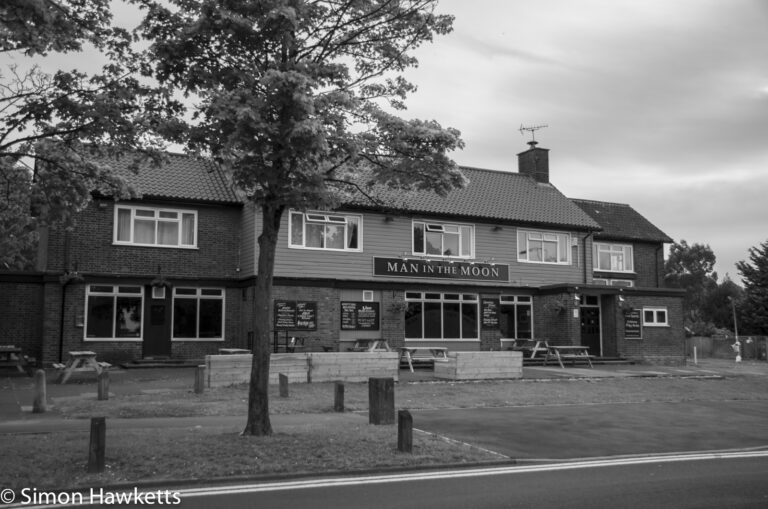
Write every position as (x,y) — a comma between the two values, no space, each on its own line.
(497,196)
(180,177)
(621,222)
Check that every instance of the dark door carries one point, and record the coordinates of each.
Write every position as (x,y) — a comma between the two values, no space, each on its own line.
(157,323)
(590,329)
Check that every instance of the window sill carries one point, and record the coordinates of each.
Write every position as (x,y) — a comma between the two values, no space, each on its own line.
(197,340)
(656,325)
(113,340)
(159,246)
(302,248)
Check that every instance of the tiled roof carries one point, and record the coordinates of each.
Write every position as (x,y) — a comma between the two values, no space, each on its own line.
(181,177)
(621,222)
(497,196)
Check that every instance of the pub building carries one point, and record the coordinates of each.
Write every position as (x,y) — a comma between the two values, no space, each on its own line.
(172,274)
(507,257)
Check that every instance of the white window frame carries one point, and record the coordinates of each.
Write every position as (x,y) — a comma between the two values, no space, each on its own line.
(114,293)
(624,283)
(198,296)
(624,251)
(157,212)
(656,322)
(563,246)
(326,218)
(518,300)
(459,229)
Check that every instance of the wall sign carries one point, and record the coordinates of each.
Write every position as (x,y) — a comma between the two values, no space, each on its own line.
(633,327)
(291,314)
(440,269)
(490,313)
(359,316)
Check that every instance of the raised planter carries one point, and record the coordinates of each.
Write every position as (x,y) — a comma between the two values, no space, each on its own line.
(223,370)
(480,366)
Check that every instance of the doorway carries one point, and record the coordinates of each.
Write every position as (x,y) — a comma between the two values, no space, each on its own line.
(157,330)
(590,324)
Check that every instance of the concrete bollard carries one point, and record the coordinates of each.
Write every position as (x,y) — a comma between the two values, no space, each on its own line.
(40,405)
(102,383)
(283,385)
(404,431)
(338,397)
(381,400)
(97,445)
(200,379)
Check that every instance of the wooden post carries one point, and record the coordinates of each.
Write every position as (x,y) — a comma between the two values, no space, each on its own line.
(200,379)
(283,385)
(381,400)
(404,431)
(97,445)
(338,396)
(40,405)
(102,381)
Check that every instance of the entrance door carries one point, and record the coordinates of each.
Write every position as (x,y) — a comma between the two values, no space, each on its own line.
(590,329)
(157,323)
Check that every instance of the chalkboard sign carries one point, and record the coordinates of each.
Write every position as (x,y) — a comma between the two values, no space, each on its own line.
(490,310)
(291,314)
(632,325)
(359,316)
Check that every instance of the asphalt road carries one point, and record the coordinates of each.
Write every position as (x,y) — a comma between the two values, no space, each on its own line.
(701,484)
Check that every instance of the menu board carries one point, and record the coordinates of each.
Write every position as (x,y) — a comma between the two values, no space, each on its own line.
(291,314)
(359,316)
(490,311)
(632,325)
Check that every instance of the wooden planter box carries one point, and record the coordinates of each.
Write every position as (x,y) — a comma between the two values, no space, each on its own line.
(480,366)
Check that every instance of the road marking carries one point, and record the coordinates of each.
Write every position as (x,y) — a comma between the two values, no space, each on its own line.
(458,474)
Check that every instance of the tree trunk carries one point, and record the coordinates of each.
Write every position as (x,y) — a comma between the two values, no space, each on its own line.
(258,393)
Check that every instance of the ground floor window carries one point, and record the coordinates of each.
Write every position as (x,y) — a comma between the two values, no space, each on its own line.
(516,316)
(198,313)
(441,316)
(655,317)
(113,312)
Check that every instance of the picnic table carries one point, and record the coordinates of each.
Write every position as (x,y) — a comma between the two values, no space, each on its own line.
(80,361)
(529,347)
(370,345)
(233,351)
(422,353)
(568,353)
(10,356)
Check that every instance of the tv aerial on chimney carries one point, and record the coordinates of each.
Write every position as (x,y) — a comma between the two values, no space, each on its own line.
(532,129)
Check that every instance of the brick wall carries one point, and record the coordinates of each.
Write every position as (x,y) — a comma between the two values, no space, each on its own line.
(21,301)
(649,262)
(659,345)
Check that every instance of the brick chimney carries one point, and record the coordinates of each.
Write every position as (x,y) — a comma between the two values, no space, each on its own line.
(534,162)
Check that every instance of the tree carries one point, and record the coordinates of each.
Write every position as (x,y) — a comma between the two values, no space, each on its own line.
(67,126)
(691,267)
(717,305)
(290,100)
(754,274)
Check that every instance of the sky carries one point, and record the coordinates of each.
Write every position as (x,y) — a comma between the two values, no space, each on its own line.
(659,104)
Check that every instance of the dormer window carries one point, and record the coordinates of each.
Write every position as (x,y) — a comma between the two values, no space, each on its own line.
(443,239)
(320,230)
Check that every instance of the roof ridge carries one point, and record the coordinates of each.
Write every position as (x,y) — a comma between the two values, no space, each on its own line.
(600,202)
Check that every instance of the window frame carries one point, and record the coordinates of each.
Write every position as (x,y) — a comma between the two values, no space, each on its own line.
(655,322)
(627,253)
(328,218)
(442,298)
(114,293)
(562,249)
(199,296)
(516,302)
(156,212)
(439,227)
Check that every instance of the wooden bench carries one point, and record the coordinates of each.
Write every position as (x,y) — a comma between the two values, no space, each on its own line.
(80,361)
(428,354)
(11,357)
(573,353)
(529,347)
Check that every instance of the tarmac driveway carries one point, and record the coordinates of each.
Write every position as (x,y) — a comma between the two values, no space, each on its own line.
(581,431)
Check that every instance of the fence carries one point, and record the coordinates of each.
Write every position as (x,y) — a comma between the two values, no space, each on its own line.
(752,347)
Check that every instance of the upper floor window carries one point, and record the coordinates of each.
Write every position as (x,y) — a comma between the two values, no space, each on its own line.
(443,239)
(543,247)
(319,230)
(145,226)
(613,257)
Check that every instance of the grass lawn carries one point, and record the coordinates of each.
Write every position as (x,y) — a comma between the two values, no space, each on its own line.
(57,460)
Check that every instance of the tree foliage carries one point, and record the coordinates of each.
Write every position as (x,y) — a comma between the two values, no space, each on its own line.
(295,99)
(754,274)
(691,267)
(68,125)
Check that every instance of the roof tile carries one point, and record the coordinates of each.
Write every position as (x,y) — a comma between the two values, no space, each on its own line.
(621,222)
